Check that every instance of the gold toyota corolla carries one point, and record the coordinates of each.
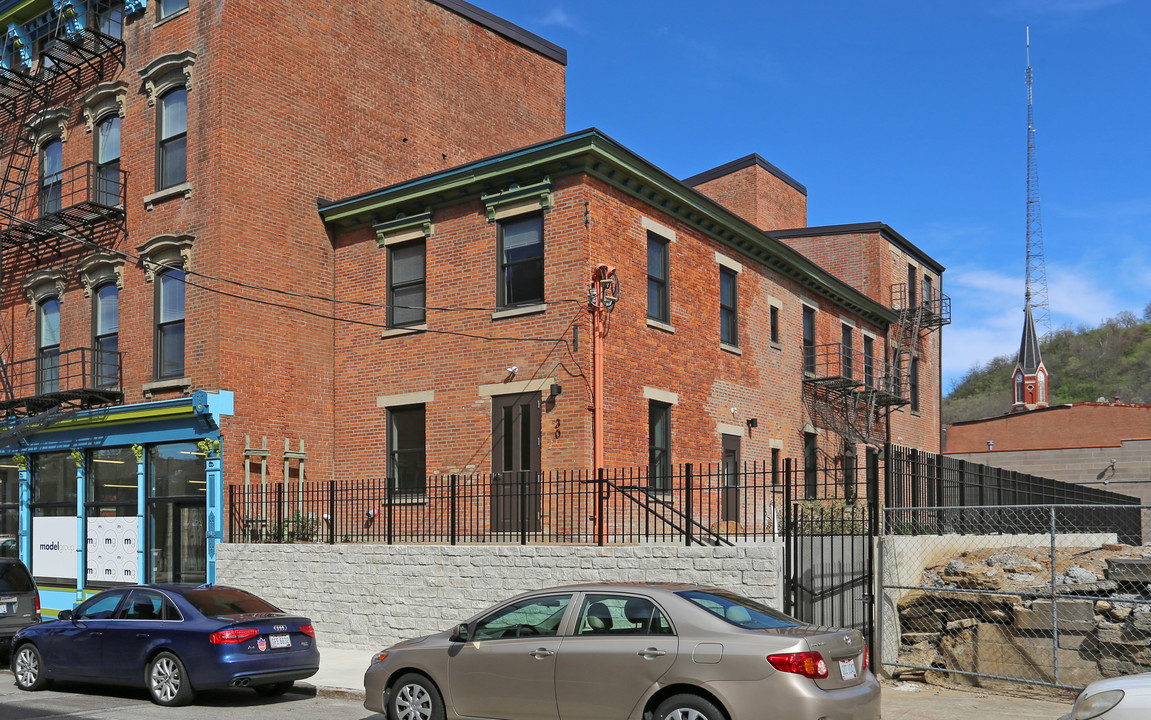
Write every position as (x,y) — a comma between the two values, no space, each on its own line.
(627,652)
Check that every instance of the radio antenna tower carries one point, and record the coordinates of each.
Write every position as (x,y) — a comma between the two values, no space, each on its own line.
(1036,267)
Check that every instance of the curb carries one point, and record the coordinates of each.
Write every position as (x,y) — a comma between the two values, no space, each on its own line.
(343,693)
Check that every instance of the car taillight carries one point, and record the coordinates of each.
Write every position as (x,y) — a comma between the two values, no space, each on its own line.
(866,656)
(807,664)
(308,630)
(232,635)
(38,618)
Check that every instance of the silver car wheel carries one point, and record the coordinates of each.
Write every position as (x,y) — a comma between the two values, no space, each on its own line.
(686,714)
(27,667)
(413,702)
(165,679)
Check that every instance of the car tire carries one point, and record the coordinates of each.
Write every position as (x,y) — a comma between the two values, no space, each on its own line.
(274,689)
(167,681)
(687,707)
(28,667)
(415,697)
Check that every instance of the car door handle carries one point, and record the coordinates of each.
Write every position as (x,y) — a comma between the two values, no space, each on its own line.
(541,653)
(651,653)
(142,635)
(96,634)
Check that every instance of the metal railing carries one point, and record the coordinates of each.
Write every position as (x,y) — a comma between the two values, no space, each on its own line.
(80,374)
(843,365)
(693,504)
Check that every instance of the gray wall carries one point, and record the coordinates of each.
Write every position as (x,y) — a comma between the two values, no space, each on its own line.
(1078,465)
(370,596)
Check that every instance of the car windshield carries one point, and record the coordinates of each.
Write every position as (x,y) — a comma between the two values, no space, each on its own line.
(227,601)
(738,610)
(14,578)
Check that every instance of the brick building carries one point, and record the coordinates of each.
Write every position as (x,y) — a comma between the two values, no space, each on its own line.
(178,316)
(159,152)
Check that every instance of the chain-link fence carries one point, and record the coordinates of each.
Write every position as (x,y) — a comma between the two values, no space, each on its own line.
(1056,595)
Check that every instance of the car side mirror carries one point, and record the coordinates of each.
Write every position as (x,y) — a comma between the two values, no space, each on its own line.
(64,615)
(462,632)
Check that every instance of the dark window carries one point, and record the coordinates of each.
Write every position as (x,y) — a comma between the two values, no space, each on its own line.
(172,139)
(106,335)
(101,607)
(911,286)
(227,601)
(407,449)
(521,257)
(48,346)
(112,482)
(659,445)
(109,18)
(810,467)
(775,466)
(407,284)
(53,485)
(808,339)
(928,292)
(848,472)
(738,610)
(897,373)
(728,312)
(107,154)
(170,324)
(15,579)
(171,7)
(51,176)
(773,316)
(868,361)
(913,384)
(176,517)
(847,348)
(658,307)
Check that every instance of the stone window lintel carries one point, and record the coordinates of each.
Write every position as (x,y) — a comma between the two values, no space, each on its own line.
(44,283)
(518,199)
(166,72)
(101,267)
(48,123)
(404,228)
(164,251)
(102,99)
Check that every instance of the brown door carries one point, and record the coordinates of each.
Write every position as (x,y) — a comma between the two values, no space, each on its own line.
(729,478)
(515,462)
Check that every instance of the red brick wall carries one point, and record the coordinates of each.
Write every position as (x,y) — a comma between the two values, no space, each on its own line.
(466,348)
(759,197)
(289,102)
(1082,425)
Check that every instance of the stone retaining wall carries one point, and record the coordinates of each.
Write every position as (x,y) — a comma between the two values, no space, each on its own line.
(370,596)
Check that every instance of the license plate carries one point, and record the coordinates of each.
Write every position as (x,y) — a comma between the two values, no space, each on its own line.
(281,641)
(846,668)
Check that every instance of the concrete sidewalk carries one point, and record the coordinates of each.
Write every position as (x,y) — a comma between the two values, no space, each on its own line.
(342,675)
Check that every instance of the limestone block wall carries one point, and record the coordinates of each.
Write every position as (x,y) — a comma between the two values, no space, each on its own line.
(370,596)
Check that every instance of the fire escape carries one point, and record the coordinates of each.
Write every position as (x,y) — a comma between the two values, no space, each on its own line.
(852,392)
(47,62)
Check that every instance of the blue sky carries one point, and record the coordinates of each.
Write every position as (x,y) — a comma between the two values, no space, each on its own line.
(906,112)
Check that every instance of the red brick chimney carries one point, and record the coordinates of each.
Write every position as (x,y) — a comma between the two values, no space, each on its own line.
(757,191)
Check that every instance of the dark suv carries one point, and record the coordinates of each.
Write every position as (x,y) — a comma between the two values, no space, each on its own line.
(19,600)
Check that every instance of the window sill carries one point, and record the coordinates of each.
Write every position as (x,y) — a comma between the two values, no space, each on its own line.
(517,311)
(658,325)
(170,18)
(407,330)
(730,348)
(776,346)
(183,384)
(184,189)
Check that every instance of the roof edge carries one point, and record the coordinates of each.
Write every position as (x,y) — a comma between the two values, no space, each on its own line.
(893,237)
(740,164)
(506,28)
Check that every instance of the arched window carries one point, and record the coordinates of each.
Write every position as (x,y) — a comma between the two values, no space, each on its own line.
(51,175)
(1041,396)
(106,335)
(48,345)
(107,154)
(172,139)
(169,343)
(1019,387)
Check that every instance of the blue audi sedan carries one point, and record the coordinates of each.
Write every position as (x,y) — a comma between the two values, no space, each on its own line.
(172,639)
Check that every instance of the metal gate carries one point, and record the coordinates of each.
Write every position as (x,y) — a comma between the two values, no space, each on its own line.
(829,560)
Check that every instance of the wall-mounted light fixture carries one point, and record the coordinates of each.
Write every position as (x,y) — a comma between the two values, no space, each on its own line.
(555,389)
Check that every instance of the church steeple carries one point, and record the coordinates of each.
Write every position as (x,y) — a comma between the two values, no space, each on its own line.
(1030,376)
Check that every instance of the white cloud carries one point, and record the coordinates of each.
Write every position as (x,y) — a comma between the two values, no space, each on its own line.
(558,17)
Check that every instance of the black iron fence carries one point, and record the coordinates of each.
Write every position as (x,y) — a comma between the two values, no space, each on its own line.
(694,504)
(938,494)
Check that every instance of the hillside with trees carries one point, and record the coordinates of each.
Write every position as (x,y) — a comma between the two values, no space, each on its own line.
(1085,365)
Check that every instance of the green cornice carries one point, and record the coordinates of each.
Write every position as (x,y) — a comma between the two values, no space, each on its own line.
(594,154)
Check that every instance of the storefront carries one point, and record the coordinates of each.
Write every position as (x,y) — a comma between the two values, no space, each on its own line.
(116,496)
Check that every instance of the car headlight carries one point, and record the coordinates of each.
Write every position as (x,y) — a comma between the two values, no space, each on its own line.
(1096,705)
(379,657)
